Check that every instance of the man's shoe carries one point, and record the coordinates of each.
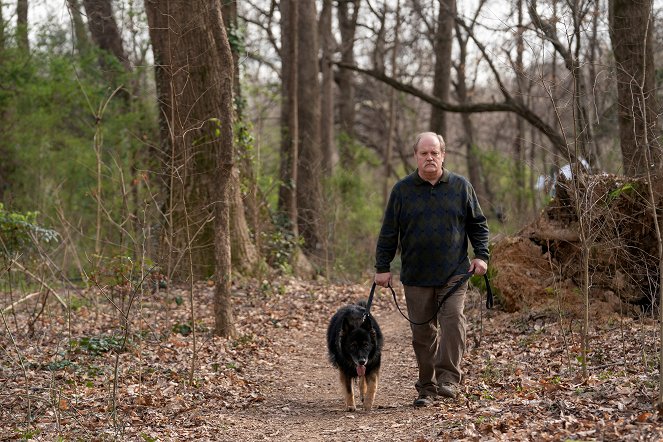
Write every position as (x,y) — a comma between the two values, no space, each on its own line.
(447,389)
(423,400)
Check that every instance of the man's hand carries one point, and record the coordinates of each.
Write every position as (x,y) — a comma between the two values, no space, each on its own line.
(477,266)
(383,279)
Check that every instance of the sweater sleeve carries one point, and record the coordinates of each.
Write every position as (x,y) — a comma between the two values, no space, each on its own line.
(477,227)
(388,239)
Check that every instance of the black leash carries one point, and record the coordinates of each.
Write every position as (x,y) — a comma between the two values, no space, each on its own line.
(368,303)
(460,282)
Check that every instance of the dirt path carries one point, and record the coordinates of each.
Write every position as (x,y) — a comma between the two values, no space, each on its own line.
(303,399)
(517,386)
(273,380)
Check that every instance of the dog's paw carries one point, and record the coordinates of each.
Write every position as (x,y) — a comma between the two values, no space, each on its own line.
(350,408)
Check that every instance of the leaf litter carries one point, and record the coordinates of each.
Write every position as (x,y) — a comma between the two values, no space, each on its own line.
(273,380)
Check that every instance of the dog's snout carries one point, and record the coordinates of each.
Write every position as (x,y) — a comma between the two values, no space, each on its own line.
(362,362)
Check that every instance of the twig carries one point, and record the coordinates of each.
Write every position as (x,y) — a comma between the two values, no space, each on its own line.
(611,364)
(41,281)
(13,304)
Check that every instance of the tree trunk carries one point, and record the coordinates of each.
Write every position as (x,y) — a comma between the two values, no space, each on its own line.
(519,142)
(245,256)
(287,203)
(631,28)
(484,194)
(80,32)
(309,189)
(391,132)
(583,132)
(7,165)
(194,74)
(104,29)
(22,25)
(347,21)
(442,48)
(329,153)
(106,35)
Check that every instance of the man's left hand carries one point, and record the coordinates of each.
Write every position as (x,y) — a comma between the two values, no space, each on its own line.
(478,266)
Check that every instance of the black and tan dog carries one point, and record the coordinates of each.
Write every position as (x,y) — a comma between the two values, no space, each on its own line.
(354,341)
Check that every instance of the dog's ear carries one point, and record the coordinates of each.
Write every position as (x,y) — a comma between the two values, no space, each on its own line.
(348,326)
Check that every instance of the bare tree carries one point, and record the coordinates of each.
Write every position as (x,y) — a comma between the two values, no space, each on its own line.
(309,186)
(80,32)
(463,92)
(245,256)
(328,146)
(289,108)
(348,13)
(631,29)
(584,140)
(104,30)
(519,142)
(22,25)
(443,60)
(194,71)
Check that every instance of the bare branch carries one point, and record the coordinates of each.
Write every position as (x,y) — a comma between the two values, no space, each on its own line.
(509,105)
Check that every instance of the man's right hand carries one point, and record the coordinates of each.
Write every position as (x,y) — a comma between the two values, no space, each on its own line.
(383,279)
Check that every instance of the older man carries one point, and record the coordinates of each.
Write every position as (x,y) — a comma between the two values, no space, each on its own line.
(432,213)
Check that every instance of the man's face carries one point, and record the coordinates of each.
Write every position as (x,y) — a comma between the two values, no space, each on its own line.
(429,155)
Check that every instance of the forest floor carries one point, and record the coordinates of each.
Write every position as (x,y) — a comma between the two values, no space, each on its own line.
(65,376)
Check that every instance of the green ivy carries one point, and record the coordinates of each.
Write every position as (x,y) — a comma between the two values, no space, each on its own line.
(19,233)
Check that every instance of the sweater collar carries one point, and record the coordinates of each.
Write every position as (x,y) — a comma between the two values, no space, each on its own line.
(419,181)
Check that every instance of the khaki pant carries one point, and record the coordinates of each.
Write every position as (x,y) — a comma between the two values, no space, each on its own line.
(439,345)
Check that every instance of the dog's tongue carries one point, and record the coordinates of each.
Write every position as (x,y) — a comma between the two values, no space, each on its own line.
(361,370)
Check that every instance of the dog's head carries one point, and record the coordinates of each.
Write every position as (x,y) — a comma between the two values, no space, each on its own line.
(360,341)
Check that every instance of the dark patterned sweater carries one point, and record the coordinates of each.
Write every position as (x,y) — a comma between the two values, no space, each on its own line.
(433,224)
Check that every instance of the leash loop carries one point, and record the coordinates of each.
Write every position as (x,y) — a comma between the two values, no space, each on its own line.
(460,282)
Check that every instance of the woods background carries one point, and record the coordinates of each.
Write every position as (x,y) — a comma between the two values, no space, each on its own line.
(147,145)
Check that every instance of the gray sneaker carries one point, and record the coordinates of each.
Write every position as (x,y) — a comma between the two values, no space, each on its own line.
(424,400)
(447,389)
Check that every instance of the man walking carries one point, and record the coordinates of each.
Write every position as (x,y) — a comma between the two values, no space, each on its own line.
(432,213)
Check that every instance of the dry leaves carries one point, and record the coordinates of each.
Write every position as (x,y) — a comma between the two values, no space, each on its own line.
(73,379)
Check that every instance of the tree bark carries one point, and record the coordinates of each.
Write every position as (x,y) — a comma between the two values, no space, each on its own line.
(104,30)
(309,189)
(106,35)
(348,12)
(329,152)
(194,72)
(473,164)
(80,32)
(583,131)
(443,44)
(631,28)
(392,106)
(519,142)
(8,163)
(287,202)
(22,25)
(245,256)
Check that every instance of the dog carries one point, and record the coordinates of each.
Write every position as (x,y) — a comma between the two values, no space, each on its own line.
(354,341)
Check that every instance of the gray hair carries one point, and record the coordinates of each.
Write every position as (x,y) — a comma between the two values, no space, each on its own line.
(421,135)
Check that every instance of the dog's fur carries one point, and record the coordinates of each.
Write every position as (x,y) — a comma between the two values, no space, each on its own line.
(355,349)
